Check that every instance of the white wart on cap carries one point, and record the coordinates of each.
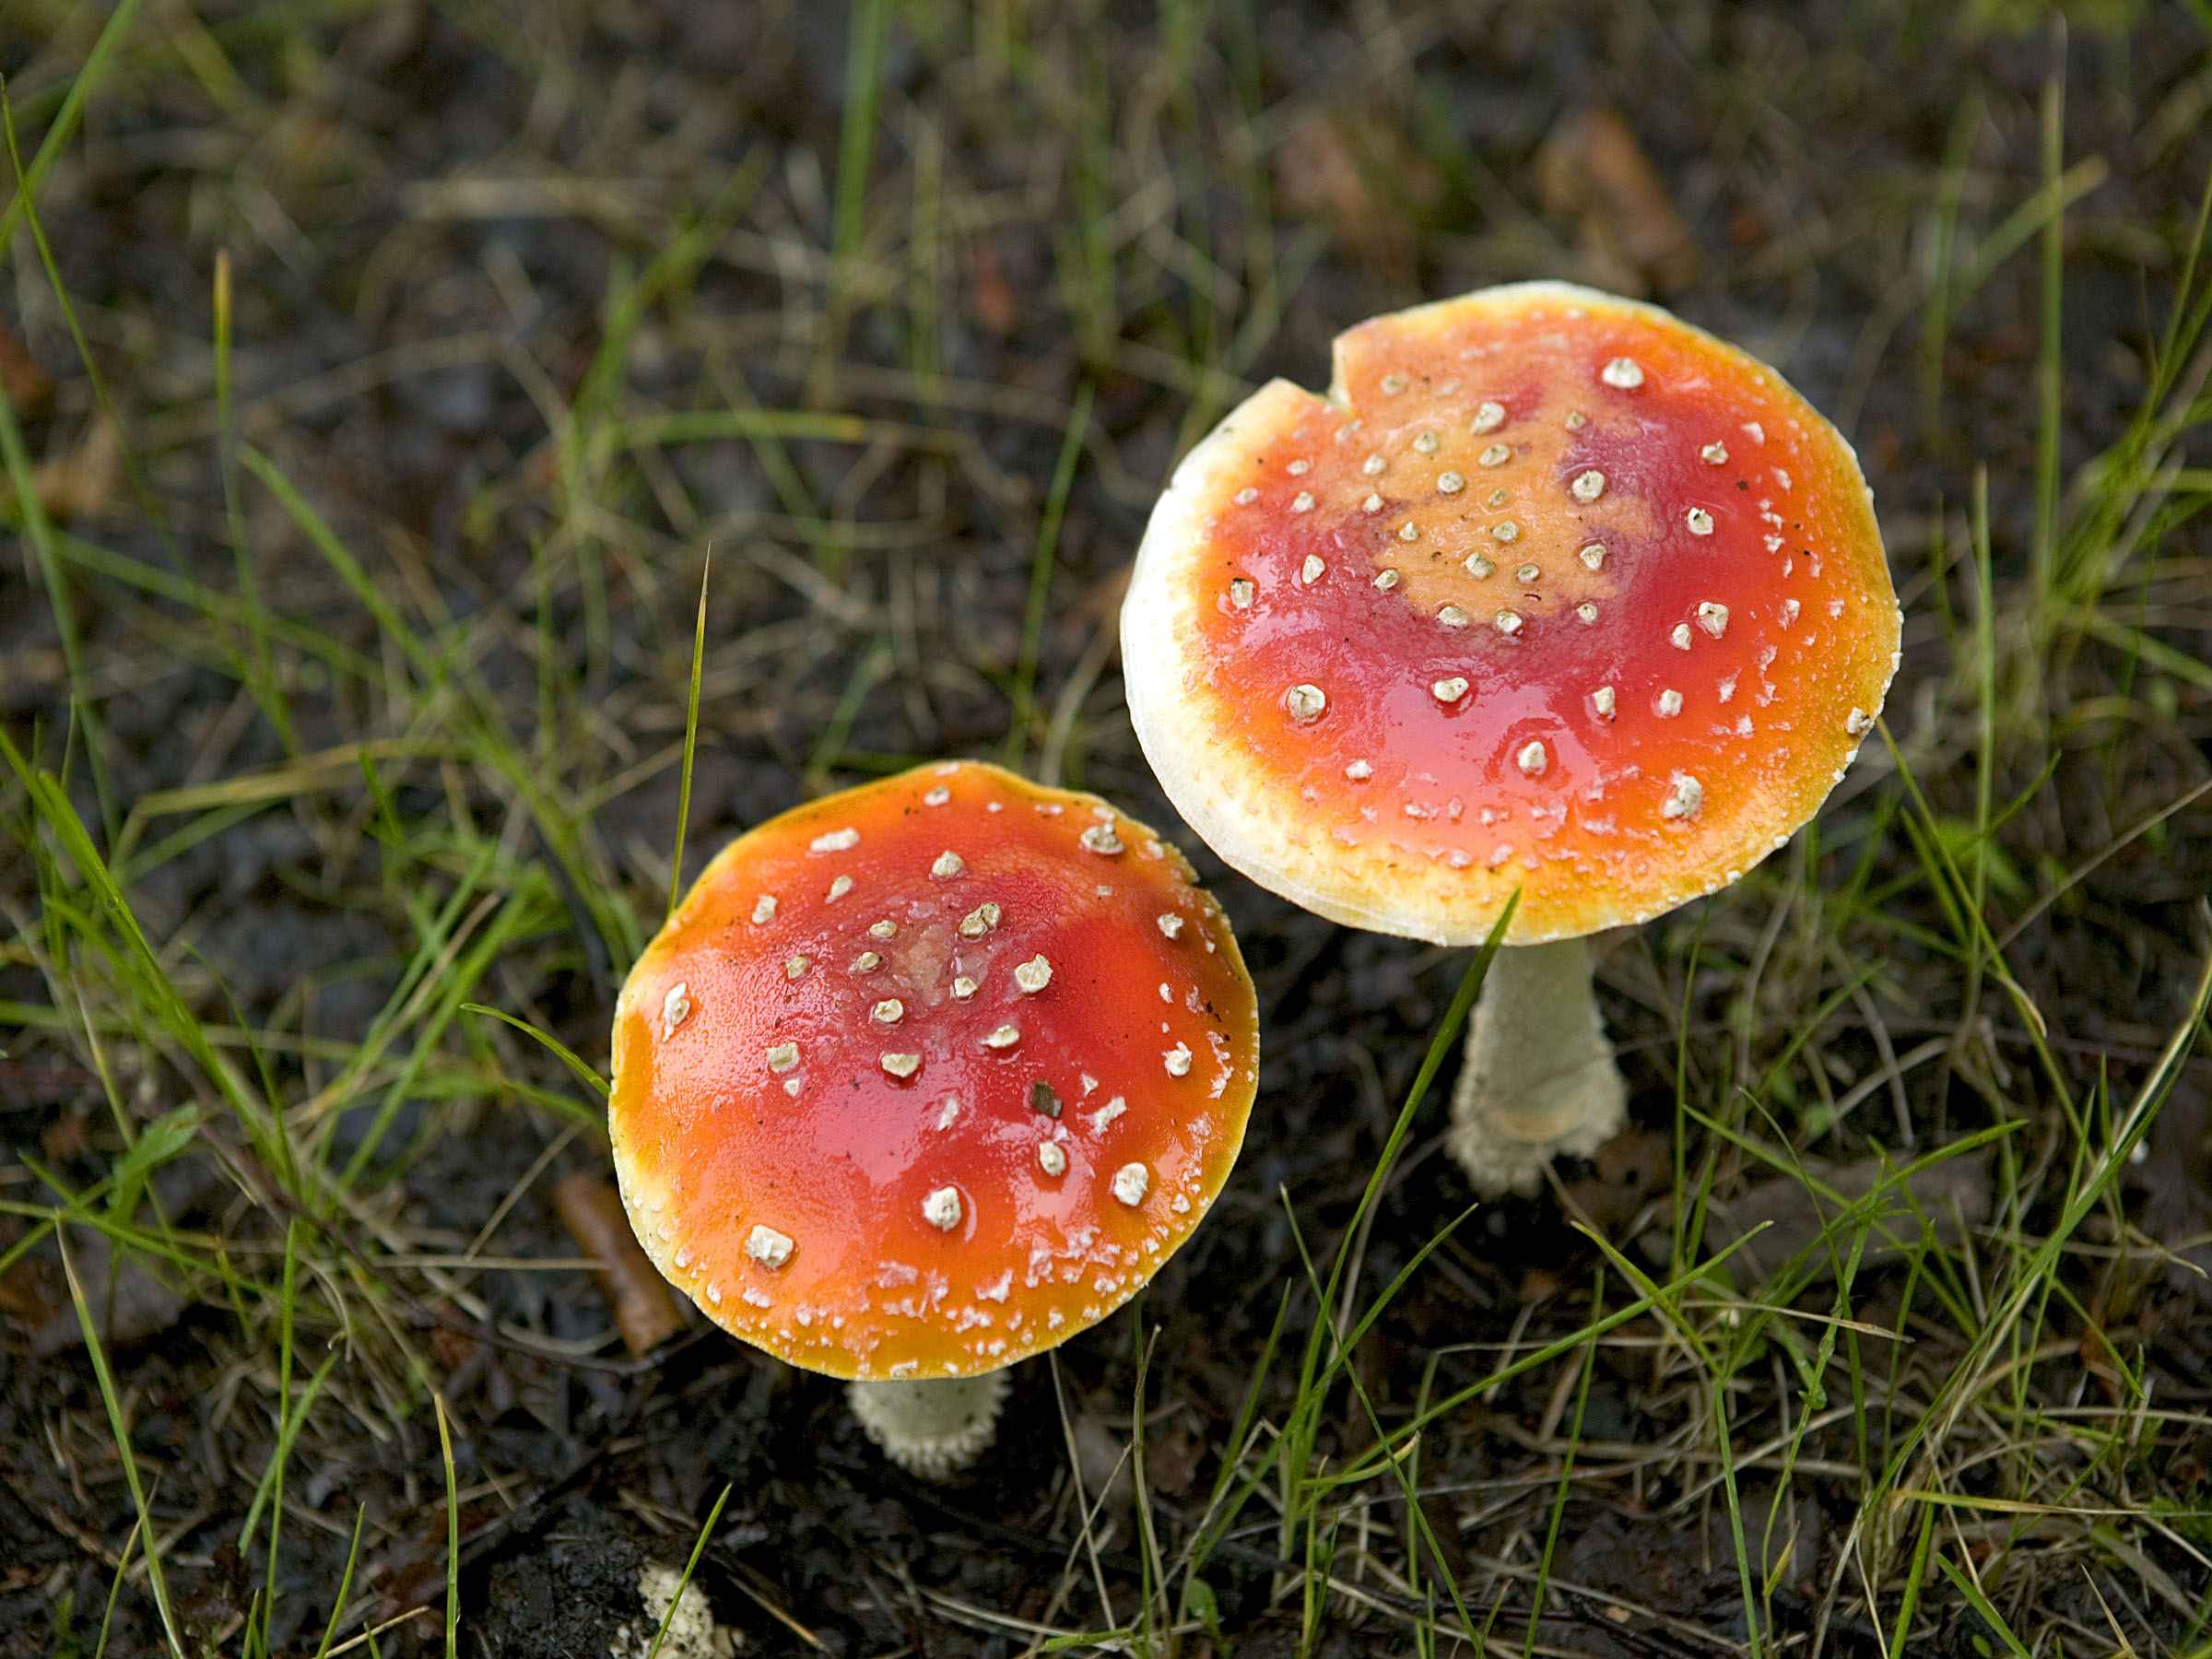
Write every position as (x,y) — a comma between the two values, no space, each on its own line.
(1694,626)
(891,1136)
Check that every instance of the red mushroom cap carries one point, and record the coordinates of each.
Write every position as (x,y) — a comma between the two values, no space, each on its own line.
(1553,592)
(928,1076)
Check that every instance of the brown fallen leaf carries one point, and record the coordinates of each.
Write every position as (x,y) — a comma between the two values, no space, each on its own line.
(2096,1350)
(989,294)
(1101,601)
(451,1348)
(1353,168)
(27,386)
(65,1137)
(591,1211)
(1626,1173)
(1747,227)
(1593,171)
(1172,1457)
(29,1293)
(79,483)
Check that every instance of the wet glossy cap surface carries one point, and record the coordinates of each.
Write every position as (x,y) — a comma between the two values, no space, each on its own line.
(1552,592)
(927,1076)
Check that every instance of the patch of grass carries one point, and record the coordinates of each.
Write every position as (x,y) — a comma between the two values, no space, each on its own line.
(907,374)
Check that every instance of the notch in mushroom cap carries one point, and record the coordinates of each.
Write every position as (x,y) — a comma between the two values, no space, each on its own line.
(926,1076)
(1551,594)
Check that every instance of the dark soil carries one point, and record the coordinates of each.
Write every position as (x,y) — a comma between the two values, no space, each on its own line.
(427,210)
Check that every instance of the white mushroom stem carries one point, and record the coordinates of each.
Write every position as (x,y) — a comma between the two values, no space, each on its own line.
(1539,1078)
(933,1428)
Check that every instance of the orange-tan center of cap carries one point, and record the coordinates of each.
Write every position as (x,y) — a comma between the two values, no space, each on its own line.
(1505,510)
(1576,595)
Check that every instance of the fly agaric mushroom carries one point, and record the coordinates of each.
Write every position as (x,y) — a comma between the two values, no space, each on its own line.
(1552,594)
(926,1076)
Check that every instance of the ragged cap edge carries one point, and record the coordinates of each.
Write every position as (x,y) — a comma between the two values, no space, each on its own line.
(1245,833)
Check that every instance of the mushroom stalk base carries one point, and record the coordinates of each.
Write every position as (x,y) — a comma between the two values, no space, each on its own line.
(933,1428)
(1539,1078)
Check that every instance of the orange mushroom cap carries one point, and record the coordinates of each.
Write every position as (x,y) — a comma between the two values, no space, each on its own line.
(1552,592)
(930,1074)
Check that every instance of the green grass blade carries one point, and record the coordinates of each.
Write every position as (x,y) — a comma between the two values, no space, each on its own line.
(869,22)
(553,1045)
(285,1318)
(37,530)
(262,680)
(72,110)
(51,804)
(2048,367)
(97,1352)
(1980,1603)
(683,799)
(452,1529)
(338,1605)
(1040,577)
(698,1547)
